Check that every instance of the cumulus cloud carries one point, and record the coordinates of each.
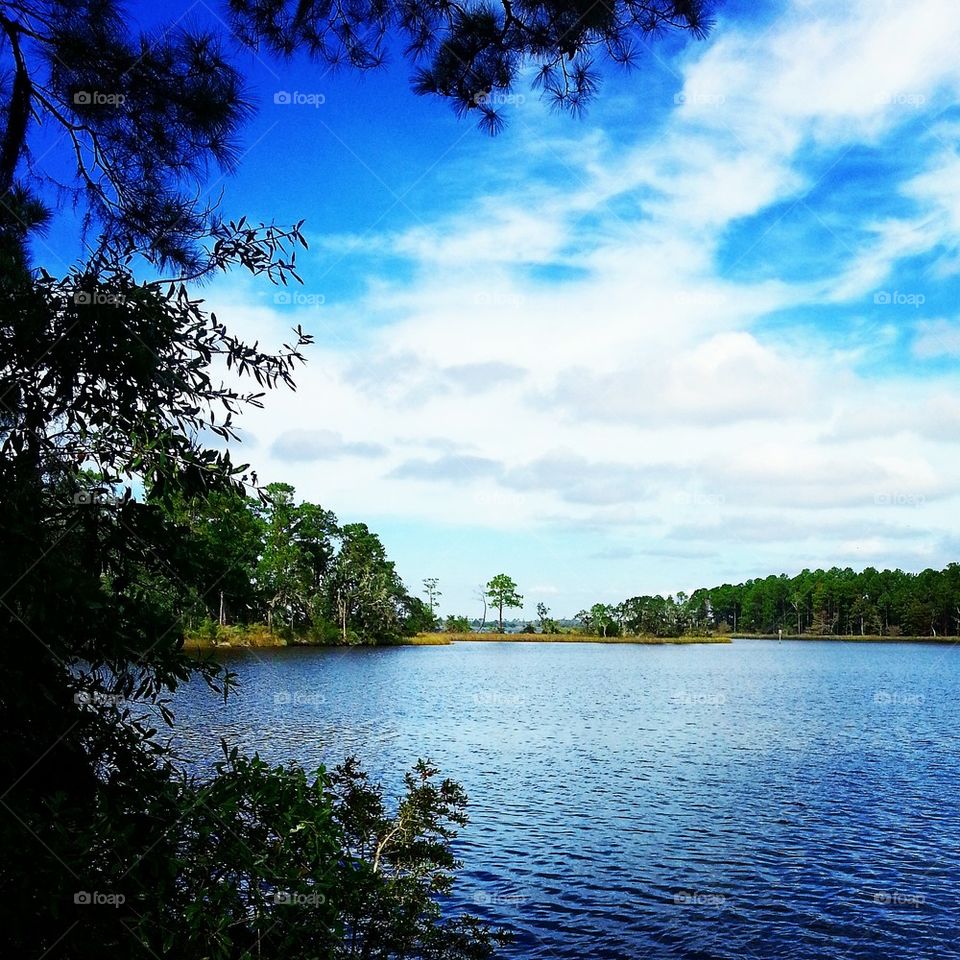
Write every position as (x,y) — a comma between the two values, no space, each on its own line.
(723,379)
(307,445)
(772,528)
(579,480)
(482,376)
(936,338)
(585,357)
(453,467)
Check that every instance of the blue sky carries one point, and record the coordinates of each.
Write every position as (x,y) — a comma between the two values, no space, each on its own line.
(708,332)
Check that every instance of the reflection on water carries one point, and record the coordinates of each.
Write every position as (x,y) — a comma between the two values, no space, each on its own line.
(788,800)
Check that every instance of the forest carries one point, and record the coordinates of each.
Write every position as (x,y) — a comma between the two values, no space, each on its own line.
(291,566)
(834,602)
(294,568)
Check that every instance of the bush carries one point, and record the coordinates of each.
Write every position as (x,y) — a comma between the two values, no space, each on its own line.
(252,862)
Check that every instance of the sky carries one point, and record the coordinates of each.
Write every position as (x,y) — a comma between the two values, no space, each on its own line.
(707,332)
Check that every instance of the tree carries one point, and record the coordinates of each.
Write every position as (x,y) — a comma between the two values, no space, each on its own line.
(296,556)
(472,56)
(502,592)
(99,368)
(482,597)
(283,574)
(141,118)
(543,611)
(415,616)
(432,592)
(603,620)
(547,623)
(367,593)
(222,539)
(821,602)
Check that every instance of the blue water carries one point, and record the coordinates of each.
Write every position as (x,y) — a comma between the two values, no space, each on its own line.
(752,800)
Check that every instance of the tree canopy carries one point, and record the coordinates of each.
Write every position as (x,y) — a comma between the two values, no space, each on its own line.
(501,590)
(834,602)
(145,117)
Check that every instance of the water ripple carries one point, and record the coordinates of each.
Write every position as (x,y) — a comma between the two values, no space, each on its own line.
(762,800)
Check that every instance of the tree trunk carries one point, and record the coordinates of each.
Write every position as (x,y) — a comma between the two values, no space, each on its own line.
(342,606)
(18,114)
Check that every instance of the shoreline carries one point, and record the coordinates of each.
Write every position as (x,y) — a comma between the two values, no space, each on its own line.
(261,640)
(844,638)
(567,638)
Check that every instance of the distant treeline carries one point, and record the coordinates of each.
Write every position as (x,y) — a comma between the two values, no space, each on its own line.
(290,566)
(294,567)
(815,602)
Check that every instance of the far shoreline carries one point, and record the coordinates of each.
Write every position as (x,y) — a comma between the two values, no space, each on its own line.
(426,639)
(262,640)
(843,638)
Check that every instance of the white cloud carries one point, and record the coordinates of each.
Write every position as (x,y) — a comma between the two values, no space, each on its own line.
(641,396)
(307,445)
(936,338)
(724,379)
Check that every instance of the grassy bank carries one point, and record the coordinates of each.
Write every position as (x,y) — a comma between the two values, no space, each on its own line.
(259,636)
(570,638)
(845,638)
(254,635)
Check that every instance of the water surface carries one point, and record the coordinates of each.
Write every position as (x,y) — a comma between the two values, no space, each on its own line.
(751,800)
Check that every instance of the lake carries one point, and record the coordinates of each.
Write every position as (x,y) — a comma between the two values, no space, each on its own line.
(751,800)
